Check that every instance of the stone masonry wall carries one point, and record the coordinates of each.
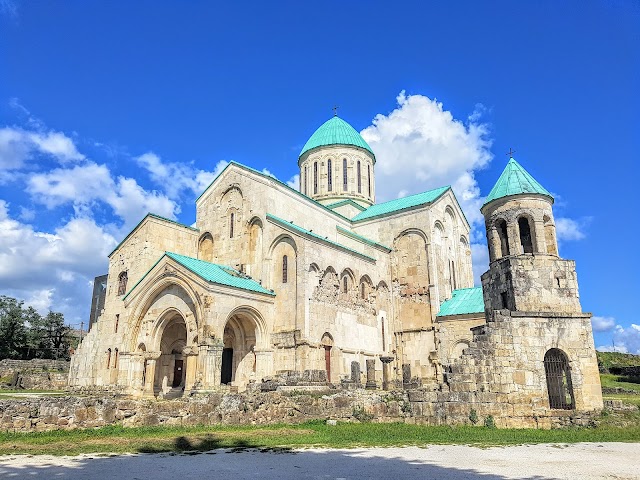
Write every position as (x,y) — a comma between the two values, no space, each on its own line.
(36,374)
(415,406)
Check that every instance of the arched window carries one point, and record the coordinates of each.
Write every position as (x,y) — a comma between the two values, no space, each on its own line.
(384,342)
(315,177)
(344,174)
(345,284)
(285,269)
(363,291)
(525,235)
(231,221)
(359,179)
(329,177)
(122,283)
(117,322)
(556,367)
(115,359)
(108,357)
(304,180)
(501,226)
(369,179)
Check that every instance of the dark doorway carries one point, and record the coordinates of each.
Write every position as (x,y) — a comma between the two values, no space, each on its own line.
(559,386)
(177,373)
(227,365)
(327,361)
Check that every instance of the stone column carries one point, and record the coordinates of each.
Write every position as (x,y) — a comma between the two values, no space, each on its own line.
(355,372)
(150,375)
(513,233)
(371,375)
(540,245)
(264,363)
(386,371)
(191,354)
(493,243)
(211,365)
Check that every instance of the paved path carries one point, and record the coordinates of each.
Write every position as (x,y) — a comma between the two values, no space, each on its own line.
(443,462)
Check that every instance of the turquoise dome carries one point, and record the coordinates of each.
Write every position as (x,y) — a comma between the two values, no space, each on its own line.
(335,131)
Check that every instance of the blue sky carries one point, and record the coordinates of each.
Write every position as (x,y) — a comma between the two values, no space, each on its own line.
(111,109)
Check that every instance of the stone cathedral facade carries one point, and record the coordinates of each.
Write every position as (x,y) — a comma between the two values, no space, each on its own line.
(272,282)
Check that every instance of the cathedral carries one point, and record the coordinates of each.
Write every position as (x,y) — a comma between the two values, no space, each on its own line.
(322,283)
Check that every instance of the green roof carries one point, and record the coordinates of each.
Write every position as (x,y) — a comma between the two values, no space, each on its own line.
(348,201)
(335,131)
(515,180)
(362,239)
(463,302)
(293,227)
(212,272)
(393,206)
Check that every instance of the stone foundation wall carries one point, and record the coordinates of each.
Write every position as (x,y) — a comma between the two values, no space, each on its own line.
(291,406)
(36,374)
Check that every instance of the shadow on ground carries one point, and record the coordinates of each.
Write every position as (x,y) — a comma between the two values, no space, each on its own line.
(204,459)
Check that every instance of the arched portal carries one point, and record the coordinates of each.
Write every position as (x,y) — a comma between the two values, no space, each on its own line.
(239,360)
(171,366)
(560,389)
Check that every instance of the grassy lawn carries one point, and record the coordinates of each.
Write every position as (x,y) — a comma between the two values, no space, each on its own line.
(610,380)
(115,439)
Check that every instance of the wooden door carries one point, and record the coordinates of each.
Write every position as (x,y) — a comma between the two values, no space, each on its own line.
(177,373)
(327,361)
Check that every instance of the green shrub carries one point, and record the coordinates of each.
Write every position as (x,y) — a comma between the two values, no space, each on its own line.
(360,415)
(489,422)
(473,416)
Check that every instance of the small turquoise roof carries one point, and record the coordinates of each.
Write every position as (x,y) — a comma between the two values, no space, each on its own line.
(464,301)
(515,180)
(392,206)
(335,131)
(211,272)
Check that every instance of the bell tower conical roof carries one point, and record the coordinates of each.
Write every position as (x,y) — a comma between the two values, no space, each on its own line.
(515,180)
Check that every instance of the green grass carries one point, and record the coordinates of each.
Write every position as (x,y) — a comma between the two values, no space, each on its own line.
(616,359)
(610,380)
(116,439)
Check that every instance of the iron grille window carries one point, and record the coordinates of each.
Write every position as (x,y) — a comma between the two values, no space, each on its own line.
(369,178)
(359,179)
(315,177)
(231,218)
(304,181)
(284,269)
(556,367)
(329,179)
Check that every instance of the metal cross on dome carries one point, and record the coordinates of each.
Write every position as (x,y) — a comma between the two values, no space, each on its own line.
(510,152)
(335,110)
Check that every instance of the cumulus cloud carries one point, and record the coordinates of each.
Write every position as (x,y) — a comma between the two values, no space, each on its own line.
(294,182)
(568,229)
(420,146)
(175,178)
(625,340)
(480,260)
(602,324)
(18,145)
(52,270)
(83,185)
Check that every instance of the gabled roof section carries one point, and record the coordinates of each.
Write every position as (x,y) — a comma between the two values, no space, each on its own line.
(348,201)
(157,217)
(362,239)
(515,180)
(335,131)
(393,206)
(281,183)
(211,272)
(297,229)
(464,301)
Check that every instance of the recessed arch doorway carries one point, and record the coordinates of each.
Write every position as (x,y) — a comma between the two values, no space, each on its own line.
(171,365)
(242,335)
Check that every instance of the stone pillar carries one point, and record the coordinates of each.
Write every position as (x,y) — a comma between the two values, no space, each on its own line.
(264,363)
(406,373)
(540,245)
(211,366)
(355,372)
(386,371)
(493,243)
(191,357)
(150,375)
(371,375)
(513,233)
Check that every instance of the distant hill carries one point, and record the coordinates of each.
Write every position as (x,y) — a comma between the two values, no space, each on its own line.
(606,360)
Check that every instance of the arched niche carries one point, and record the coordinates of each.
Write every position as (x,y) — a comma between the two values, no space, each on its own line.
(205,247)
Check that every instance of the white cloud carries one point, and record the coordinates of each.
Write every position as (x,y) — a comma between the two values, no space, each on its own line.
(294,182)
(602,324)
(18,145)
(83,185)
(52,269)
(174,178)
(625,340)
(420,146)
(568,229)
(480,260)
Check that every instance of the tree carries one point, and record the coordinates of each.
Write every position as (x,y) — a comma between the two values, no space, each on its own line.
(49,336)
(13,332)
